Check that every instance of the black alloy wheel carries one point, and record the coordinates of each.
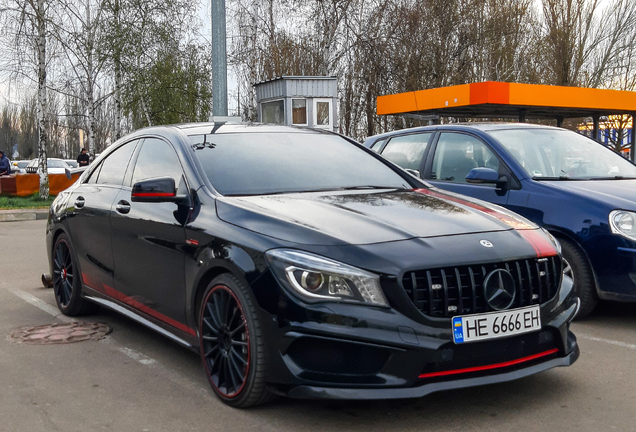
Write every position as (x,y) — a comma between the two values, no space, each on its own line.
(66,280)
(63,274)
(232,348)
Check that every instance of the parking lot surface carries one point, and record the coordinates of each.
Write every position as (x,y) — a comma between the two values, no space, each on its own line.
(137,380)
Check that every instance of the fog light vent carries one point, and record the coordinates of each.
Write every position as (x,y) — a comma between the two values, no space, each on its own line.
(336,357)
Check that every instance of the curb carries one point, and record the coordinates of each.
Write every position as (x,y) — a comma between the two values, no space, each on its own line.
(23,215)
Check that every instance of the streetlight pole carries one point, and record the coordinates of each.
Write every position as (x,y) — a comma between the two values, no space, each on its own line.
(219,59)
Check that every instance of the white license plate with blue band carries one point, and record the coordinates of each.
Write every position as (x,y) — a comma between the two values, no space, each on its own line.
(492,325)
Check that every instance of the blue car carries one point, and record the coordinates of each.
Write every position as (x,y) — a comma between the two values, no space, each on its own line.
(583,193)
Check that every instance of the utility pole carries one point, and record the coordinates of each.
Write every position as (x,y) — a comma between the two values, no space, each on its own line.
(219,59)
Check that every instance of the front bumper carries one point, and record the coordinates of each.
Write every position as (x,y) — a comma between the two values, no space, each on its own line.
(613,259)
(313,392)
(354,352)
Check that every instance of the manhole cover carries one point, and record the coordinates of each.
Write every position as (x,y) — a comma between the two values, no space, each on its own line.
(62,333)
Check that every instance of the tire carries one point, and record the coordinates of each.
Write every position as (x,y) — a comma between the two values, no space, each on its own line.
(576,265)
(231,344)
(67,284)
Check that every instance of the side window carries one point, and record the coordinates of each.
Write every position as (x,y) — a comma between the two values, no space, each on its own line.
(94,175)
(376,146)
(407,150)
(456,154)
(157,158)
(113,168)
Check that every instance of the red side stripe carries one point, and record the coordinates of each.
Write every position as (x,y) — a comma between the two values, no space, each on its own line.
(540,244)
(98,285)
(489,367)
(152,194)
(537,240)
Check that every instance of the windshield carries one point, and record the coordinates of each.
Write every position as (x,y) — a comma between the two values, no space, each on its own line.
(268,163)
(52,163)
(562,154)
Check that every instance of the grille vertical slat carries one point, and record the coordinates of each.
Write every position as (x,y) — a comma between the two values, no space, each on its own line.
(460,294)
(445,286)
(539,282)
(521,288)
(430,293)
(473,287)
(450,289)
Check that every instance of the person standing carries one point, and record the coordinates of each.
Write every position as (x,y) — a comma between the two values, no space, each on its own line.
(5,164)
(83,159)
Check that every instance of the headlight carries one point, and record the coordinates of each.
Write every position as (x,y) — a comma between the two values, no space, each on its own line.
(315,279)
(624,223)
(553,239)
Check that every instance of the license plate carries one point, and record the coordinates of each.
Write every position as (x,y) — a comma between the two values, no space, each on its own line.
(492,325)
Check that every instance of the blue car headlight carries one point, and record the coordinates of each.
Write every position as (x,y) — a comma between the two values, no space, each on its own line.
(623,223)
(316,279)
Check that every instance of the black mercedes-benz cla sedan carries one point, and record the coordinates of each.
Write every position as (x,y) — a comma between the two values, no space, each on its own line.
(299,263)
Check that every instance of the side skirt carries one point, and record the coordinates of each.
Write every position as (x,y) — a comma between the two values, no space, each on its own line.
(134,316)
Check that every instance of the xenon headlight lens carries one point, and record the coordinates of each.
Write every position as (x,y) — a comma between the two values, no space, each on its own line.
(624,223)
(314,278)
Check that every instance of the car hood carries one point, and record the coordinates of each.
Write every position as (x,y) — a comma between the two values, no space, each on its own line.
(338,218)
(615,193)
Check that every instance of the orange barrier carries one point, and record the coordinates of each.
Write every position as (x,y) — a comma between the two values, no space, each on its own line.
(28,184)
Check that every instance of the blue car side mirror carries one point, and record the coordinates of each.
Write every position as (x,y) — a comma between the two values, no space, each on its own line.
(484,175)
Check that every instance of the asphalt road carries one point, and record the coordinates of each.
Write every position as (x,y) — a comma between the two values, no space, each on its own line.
(136,380)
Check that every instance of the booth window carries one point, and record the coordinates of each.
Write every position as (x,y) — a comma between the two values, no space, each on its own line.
(273,112)
(299,111)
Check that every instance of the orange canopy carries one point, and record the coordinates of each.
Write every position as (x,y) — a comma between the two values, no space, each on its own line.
(500,99)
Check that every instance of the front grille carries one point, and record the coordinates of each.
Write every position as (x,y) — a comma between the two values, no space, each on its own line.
(450,291)
(451,357)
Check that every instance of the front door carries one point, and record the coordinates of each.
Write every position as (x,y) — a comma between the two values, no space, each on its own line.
(454,156)
(148,241)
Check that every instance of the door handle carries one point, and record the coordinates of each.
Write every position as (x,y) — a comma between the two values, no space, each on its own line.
(123,206)
(79,202)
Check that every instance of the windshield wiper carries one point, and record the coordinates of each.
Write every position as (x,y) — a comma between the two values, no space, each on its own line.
(563,177)
(618,177)
(372,187)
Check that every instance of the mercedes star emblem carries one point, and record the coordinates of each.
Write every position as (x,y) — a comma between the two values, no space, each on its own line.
(499,289)
(485,243)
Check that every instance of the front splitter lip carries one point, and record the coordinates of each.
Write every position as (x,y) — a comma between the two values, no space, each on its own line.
(313,392)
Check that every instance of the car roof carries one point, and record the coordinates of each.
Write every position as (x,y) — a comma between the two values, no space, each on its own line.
(482,126)
(218,128)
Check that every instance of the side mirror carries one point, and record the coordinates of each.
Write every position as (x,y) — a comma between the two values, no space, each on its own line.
(157,190)
(484,175)
(413,172)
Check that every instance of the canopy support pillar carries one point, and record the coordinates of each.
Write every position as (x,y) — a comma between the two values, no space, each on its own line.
(632,148)
(595,127)
(522,116)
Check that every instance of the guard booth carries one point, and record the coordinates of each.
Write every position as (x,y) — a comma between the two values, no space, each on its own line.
(298,101)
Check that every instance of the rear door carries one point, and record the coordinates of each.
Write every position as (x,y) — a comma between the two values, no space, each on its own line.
(407,151)
(88,218)
(454,155)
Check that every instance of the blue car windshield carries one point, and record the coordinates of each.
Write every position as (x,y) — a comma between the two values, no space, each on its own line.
(274,163)
(547,154)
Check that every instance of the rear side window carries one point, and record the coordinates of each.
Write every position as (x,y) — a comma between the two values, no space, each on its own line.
(156,159)
(113,168)
(407,150)
(376,146)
